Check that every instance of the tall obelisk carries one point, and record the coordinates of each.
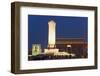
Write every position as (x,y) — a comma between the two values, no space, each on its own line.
(51,34)
(51,38)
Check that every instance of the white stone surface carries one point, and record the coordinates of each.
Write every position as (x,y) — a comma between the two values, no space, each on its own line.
(51,33)
(51,51)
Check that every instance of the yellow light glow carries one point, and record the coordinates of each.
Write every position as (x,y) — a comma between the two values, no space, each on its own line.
(48,51)
(51,35)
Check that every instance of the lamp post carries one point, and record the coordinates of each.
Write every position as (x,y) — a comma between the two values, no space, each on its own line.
(69,48)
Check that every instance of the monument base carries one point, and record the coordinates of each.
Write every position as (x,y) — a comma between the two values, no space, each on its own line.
(49,51)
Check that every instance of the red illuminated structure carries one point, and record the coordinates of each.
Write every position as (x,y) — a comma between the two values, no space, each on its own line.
(78,46)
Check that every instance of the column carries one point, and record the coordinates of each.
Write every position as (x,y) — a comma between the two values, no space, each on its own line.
(51,34)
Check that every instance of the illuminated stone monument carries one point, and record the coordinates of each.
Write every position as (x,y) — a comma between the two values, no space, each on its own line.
(51,38)
(36,49)
(51,35)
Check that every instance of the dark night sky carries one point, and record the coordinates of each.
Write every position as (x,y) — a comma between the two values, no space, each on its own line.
(66,27)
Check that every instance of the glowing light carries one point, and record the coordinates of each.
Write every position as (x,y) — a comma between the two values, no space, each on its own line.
(51,35)
(69,46)
(51,38)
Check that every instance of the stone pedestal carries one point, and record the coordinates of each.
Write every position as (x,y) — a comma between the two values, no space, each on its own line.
(49,51)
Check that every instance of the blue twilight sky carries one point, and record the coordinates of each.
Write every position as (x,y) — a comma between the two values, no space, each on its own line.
(66,27)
